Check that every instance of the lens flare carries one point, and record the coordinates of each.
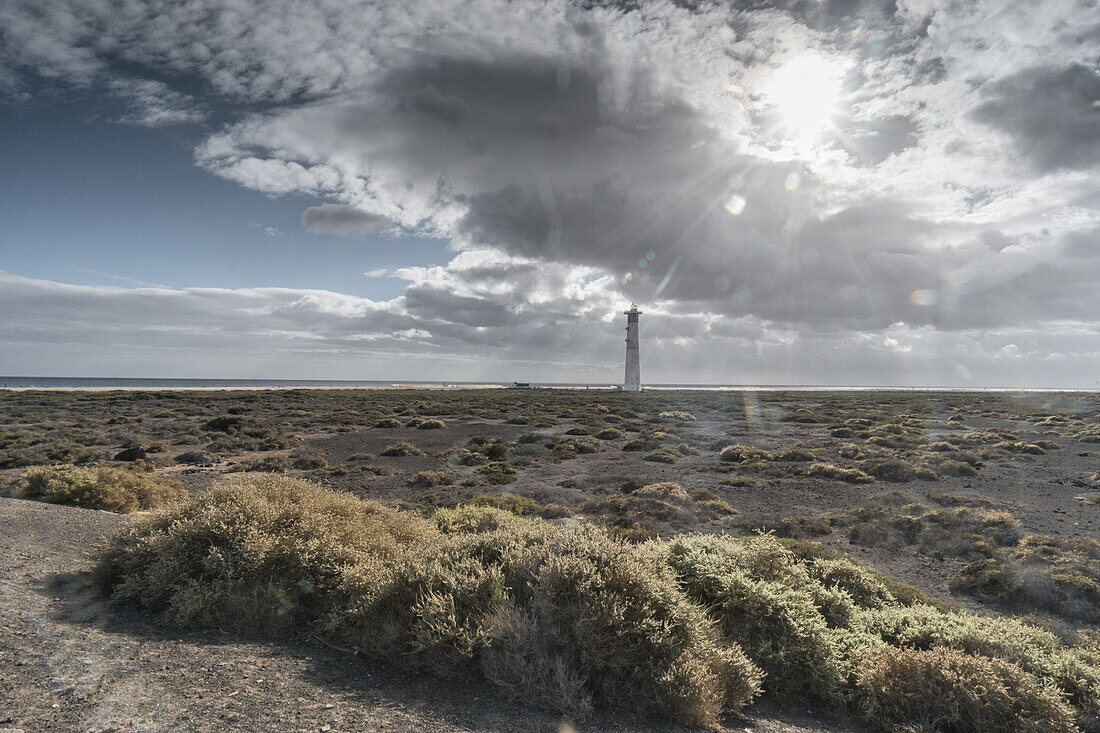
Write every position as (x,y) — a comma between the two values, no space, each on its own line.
(923,297)
(735,204)
(792,181)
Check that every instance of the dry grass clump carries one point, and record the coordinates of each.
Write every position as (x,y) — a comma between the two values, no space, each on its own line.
(110,489)
(676,415)
(431,424)
(432,479)
(387,422)
(948,690)
(402,448)
(663,455)
(609,434)
(1019,446)
(849,475)
(1058,575)
(896,470)
(739,452)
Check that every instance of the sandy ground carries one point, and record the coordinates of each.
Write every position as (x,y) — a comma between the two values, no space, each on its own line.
(69,662)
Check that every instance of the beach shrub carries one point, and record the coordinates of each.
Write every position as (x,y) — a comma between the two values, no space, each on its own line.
(1057,575)
(387,422)
(402,448)
(111,489)
(738,452)
(498,473)
(948,690)
(431,424)
(836,473)
(677,415)
(662,455)
(563,617)
(522,506)
(432,479)
(567,617)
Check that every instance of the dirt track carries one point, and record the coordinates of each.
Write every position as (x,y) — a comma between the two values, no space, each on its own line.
(69,662)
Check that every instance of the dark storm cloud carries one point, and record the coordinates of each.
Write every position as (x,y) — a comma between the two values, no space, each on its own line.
(342,220)
(1051,114)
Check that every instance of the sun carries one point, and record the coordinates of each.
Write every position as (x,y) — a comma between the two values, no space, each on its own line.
(805,92)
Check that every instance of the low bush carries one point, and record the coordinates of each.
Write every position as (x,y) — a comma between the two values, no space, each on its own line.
(1019,446)
(402,448)
(196,457)
(739,452)
(522,506)
(110,489)
(498,473)
(829,471)
(609,434)
(432,479)
(677,415)
(662,455)
(948,690)
(387,422)
(1057,575)
(564,616)
(534,609)
(431,424)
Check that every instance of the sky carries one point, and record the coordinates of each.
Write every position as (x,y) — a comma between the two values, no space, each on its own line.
(843,192)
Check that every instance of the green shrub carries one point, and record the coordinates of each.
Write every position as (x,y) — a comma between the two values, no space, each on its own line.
(948,690)
(609,434)
(773,620)
(521,505)
(498,473)
(110,489)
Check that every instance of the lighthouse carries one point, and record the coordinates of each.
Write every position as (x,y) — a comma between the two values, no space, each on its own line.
(633,379)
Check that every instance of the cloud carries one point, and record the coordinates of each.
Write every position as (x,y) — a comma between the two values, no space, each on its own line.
(345,221)
(579,155)
(1051,115)
(153,104)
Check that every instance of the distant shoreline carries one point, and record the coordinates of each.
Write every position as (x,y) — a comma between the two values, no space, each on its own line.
(107,384)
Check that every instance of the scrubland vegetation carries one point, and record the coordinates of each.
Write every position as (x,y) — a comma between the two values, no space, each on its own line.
(685,554)
(565,616)
(105,488)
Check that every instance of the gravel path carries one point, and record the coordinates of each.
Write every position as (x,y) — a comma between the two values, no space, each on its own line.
(69,662)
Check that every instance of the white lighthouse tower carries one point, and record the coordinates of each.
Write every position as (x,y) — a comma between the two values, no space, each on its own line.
(633,380)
